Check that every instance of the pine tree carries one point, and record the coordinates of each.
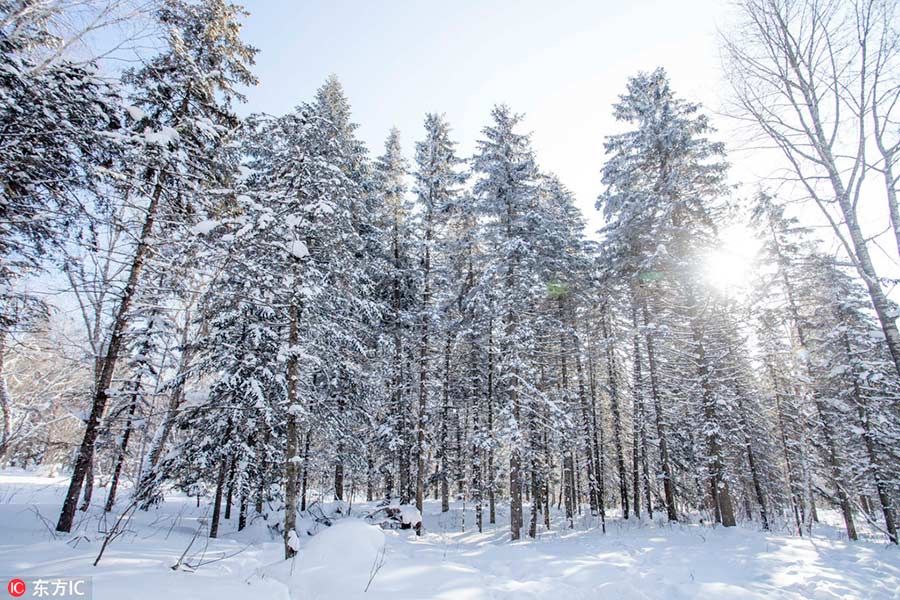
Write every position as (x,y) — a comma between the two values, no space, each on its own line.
(436,186)
(664,178)
(506,177)
(397,291)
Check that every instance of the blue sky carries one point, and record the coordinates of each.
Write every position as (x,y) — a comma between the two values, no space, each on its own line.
(561,63)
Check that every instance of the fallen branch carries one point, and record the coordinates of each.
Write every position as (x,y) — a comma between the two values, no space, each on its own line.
(116,530)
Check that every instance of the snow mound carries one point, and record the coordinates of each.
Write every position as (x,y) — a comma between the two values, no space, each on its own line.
(410,515)
(338,562)
(348,542)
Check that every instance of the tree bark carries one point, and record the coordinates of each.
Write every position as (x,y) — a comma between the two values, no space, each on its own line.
(123,448)
(423,364)
(291,457)
(88,486)
(718,483)
(587,436)
(492,506)
(661,429)
(445,417)
(754,470)
(614,406)
(599,458)
(229,497)
(5,401)
(217,501)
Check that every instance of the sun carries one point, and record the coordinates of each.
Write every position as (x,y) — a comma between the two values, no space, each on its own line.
(728,268)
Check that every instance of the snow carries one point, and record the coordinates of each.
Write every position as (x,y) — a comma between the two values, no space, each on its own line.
(298,249)
(635,559)
(162,137)
(135,113)
(293,541)
(204,227)
(410,515)
(337,562)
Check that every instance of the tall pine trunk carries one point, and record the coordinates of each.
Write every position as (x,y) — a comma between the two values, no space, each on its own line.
(291,457)
(5,401)
(425,318)
(754,468)
(492,503)
(217,500)
(718,482)
(445,418)
(614,406)
(661,427)
(599,458)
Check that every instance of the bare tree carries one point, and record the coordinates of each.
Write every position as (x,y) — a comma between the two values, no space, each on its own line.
(811,76)
(84,31)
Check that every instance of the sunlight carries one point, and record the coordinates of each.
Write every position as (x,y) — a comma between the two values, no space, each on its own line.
(728,267)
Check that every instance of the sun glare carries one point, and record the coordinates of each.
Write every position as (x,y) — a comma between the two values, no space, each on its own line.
(728,267)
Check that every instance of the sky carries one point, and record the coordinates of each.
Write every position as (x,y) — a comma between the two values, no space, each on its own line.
(561,64)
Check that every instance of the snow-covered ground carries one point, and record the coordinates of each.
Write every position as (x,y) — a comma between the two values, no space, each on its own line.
(638,560)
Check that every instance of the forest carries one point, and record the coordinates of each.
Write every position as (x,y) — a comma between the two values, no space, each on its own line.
(270,316)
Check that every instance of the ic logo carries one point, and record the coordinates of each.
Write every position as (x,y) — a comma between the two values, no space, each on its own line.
(16,588)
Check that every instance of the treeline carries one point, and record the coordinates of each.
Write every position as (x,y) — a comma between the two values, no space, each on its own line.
(272,315)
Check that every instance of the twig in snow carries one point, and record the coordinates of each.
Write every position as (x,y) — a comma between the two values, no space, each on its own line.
(117,529)
(50,527)
(376,566)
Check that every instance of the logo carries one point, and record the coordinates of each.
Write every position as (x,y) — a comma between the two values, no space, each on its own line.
(16,588)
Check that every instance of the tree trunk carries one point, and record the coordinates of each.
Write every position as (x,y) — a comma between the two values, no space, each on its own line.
(122,450)
(568,483)
(445,417)
(229,498)
(515,492)
(754,471)
(339,475)
(477,495)
(88,486)
(718,483)
(176,397)
(477,464)
(614,405)
(291,457)
(101,393)
(397,382)
(794,483)
(535,475)
(599,458)
(5,402)
(402,409)
(835,466)
(304,476)
(370,477)
(263,484)
(636,410)
(242,514)
(217,501)
(661,429)
(588,439)
(423,366)
(491,476)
